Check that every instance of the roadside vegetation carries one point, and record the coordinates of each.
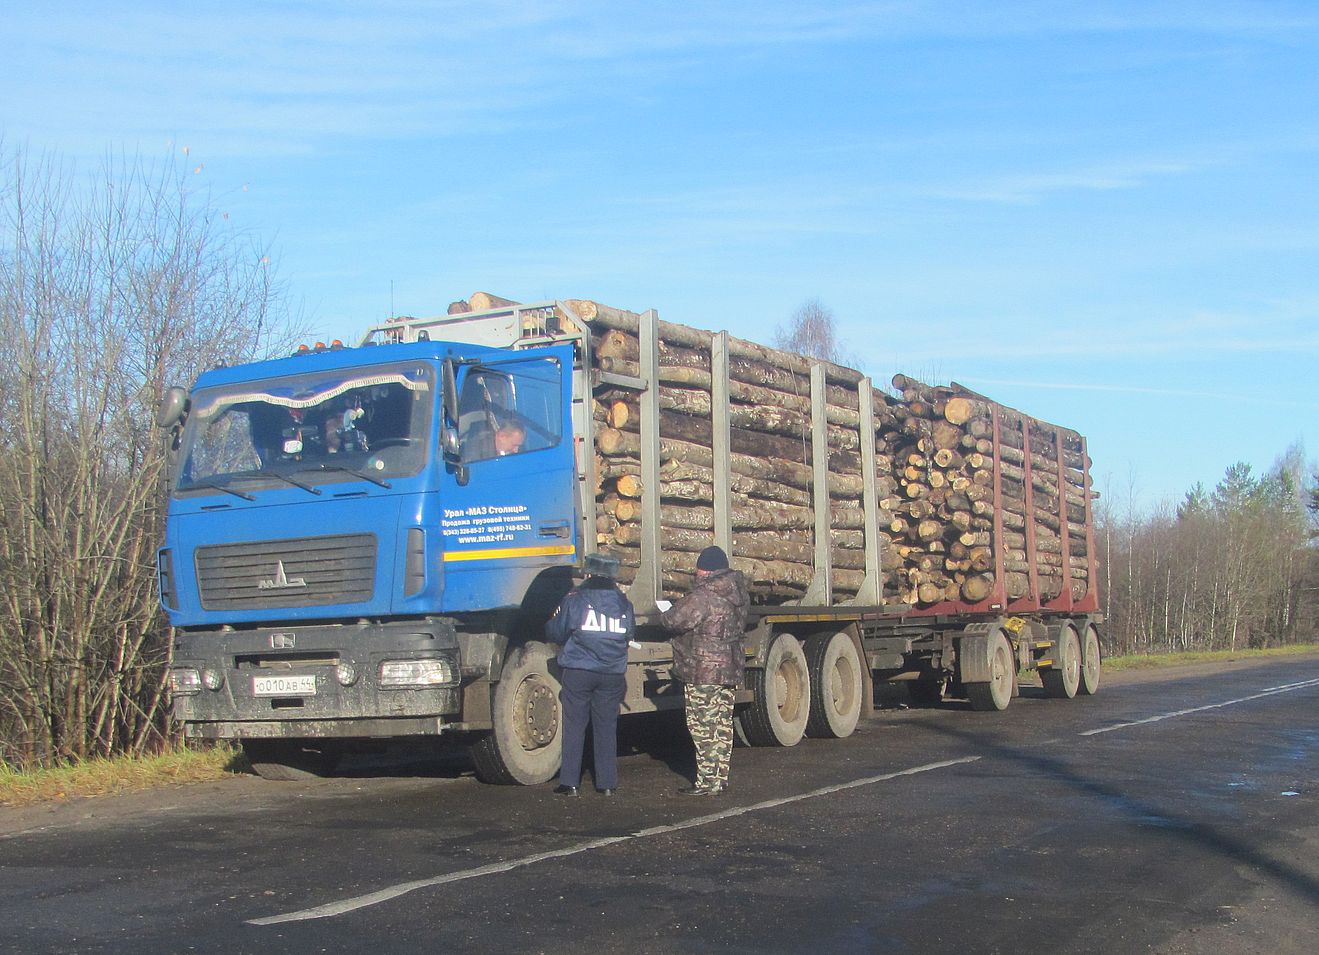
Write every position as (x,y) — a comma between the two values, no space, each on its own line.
(177,764)
(115,283)
(1231,567)
(1147,661)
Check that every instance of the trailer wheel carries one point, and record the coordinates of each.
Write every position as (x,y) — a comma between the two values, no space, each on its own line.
(525,745)
(836,688)
(288,760)
(781,696)
(996,693)
(1090,662)
(1061,680)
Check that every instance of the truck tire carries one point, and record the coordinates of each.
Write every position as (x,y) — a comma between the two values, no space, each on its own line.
(836,687)
(996,693)
(1061,680)
(781,696)
(288,760)
(1090,661)
(526,743)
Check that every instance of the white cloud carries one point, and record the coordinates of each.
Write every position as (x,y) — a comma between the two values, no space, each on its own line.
(1032,187)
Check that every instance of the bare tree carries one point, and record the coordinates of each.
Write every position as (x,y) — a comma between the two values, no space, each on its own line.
(813,330)
(110,289)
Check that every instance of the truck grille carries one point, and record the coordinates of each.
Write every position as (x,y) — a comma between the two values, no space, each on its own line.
(301,572)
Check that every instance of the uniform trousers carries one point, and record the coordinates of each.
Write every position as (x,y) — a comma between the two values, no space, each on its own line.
(588,696)
(710,721)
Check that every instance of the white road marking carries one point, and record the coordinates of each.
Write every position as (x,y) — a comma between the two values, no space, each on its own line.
(394,891)
(1271,691)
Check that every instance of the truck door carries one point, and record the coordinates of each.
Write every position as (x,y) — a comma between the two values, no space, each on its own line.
(509,511)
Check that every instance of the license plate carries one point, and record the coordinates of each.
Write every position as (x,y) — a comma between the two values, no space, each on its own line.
(284,685)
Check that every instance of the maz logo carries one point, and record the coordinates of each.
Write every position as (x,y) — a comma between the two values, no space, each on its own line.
(281,580)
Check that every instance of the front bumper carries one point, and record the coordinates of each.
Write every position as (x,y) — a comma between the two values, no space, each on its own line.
(246,659)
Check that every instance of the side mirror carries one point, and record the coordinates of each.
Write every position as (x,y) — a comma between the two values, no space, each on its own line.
(449,445)
(173,407)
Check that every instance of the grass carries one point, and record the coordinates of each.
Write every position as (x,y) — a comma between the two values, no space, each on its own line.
(1148,661)
(118,774)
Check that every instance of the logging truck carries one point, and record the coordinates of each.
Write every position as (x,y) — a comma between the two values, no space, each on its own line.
(349,559)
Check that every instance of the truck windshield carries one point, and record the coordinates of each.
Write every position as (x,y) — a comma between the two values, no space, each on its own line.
(310,429)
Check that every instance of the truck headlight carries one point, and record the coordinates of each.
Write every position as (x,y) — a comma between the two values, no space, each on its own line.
(185,681)
(345,673)
(398,674)
(212,679)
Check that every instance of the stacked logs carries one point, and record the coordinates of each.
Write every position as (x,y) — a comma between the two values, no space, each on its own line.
(771,461)
(964,515)
(978,504)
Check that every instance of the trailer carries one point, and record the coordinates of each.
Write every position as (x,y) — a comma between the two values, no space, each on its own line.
(348,561)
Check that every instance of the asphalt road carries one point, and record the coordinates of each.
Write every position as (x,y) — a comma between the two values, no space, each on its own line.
(1176,812)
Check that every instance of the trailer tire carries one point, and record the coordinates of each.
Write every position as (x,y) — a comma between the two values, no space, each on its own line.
(836,687)
(525,745)
(289,760)
(1061,680)
(996,692)
(1090,661)
(781,696)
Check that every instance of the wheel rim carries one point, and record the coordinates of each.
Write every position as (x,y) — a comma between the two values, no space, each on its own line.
(1001,673)
(788,684)
(1072,664)
(535,713)
(842,685)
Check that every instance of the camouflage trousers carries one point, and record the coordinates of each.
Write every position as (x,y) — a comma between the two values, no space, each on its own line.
(710,721)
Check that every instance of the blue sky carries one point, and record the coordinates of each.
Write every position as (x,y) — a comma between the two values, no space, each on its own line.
(1105,214)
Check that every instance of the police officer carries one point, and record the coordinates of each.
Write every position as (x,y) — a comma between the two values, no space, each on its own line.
(594,625)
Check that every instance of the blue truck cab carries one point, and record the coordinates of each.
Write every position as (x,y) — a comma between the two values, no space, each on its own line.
(355,536)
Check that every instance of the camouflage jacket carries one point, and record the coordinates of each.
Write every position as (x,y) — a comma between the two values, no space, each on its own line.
(710,622)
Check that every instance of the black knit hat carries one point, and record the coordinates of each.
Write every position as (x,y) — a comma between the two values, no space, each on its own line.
(712,558)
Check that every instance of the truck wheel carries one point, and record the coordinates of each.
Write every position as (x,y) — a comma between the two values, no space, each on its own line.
(1090,663)
(780,706)
(525,745)
(1061,680)
(836,688)
(287,760)
(996,693)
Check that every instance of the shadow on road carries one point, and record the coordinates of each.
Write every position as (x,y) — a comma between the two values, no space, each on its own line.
(1143,813)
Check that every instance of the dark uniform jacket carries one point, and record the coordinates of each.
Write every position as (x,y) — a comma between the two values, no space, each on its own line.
(710,622)
(593,624)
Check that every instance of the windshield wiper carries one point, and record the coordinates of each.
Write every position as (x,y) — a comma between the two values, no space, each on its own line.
(364,475)
(277,475)
(220,487)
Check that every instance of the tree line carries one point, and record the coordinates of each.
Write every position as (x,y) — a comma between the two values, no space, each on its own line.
(1231,567)
(113,286)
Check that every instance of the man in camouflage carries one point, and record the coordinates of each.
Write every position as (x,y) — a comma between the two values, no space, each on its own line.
(708,657)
